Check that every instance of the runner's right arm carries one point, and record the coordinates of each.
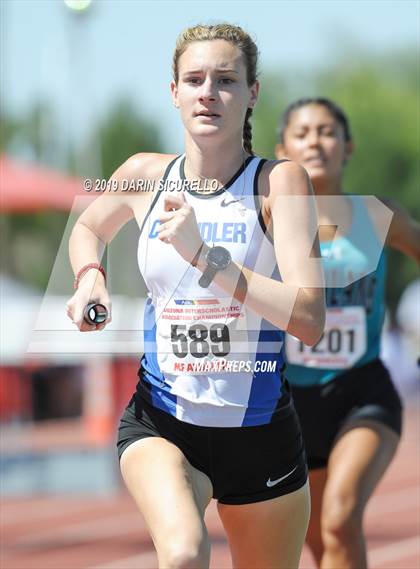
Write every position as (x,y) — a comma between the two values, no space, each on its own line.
(99,224)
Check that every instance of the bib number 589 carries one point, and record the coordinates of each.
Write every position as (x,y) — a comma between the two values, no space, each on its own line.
(198,340)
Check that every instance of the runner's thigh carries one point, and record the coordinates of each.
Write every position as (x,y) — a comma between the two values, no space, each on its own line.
(268,534)
(167,489)
(359,458)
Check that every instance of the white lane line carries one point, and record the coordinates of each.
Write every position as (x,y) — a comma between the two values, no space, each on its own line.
(86,531)
(16,507)
(28,512)
(146,560)
(394,551)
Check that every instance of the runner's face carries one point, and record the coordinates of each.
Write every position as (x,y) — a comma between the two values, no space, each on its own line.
(315,139)
(212,91)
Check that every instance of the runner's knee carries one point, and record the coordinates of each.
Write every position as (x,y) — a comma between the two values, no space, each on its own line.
(341,522)
(186,552)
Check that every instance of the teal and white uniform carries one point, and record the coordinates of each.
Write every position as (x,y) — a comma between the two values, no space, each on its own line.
(355,313)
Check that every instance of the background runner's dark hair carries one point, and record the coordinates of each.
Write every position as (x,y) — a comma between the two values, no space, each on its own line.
(333,108)
(235,35)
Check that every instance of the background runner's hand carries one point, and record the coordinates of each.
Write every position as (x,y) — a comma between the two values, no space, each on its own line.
(91,289)
(179,226)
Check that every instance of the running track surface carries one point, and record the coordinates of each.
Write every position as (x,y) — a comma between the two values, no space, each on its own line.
(79,532)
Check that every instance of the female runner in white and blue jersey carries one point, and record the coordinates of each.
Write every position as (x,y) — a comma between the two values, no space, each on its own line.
(349,409)
(211,402)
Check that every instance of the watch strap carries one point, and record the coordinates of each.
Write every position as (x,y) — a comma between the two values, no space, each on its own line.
(207,276)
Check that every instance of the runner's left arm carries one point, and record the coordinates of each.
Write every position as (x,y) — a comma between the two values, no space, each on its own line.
(297,304)
(404,233)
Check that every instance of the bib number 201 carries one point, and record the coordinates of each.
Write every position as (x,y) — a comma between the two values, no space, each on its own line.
(332,341)
(199,340)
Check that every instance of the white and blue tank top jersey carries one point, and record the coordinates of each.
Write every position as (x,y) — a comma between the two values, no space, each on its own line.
(355,313)
(209,360)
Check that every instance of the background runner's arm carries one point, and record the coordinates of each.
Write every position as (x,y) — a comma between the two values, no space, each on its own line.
(404,233)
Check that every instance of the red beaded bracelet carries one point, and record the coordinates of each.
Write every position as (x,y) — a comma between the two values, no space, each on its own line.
(85,269)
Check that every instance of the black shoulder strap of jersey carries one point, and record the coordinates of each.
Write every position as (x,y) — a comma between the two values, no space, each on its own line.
(155,199)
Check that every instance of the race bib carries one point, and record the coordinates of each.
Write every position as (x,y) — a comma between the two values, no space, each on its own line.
(341,345)
(199,336)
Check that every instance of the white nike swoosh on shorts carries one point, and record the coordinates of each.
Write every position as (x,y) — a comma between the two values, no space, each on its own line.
(271,483)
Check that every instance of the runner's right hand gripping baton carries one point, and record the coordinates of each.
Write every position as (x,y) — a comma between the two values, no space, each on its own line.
(95,313)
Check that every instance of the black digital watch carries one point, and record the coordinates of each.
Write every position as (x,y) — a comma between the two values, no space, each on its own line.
(217,258)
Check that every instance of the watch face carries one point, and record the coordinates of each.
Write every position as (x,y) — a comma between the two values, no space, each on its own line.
(218,258)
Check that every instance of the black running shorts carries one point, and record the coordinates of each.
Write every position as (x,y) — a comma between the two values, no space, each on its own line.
(365,392)
(244,464)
